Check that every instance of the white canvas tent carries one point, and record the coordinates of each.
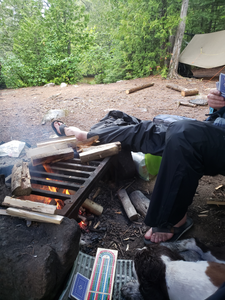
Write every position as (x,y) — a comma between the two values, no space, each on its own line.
(205,50)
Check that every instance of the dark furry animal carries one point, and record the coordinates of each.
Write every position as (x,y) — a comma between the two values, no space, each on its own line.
(165,271)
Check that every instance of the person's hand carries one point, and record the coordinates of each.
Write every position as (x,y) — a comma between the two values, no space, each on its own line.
(215,100)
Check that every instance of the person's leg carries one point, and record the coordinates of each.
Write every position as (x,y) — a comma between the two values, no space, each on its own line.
(192,149)
(146,137)
(135,135)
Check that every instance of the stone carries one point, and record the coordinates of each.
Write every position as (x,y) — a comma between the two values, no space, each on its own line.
(49,84)
(35,260)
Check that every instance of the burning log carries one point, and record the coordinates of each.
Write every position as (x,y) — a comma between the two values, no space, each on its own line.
(20,183)
(34,216)
(128,206)
(183,90)
(52,156)
(144,86)
(140,202)
(29,205)
(102,151)
(82,218)
(93,207)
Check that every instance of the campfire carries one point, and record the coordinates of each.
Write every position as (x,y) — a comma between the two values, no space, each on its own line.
(56,179)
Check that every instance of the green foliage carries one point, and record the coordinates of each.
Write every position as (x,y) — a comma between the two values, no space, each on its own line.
(13,72)
(205,16)
(47,45)
(122,39)
(139,38)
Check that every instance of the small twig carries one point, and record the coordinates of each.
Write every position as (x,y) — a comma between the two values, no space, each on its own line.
(120,249)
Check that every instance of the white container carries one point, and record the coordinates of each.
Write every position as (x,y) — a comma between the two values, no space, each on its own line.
(139,160)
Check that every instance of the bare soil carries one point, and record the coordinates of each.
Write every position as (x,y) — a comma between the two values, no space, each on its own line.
(22,118)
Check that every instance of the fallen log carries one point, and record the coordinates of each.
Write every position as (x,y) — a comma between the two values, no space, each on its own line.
(20,182)
(184,91)
(189,92)
(99,152)
(140,202)
(175,87)
(93,207)
(185,104)
(144,86)
(128,206)
(52,157)
(34,216)
(29,205)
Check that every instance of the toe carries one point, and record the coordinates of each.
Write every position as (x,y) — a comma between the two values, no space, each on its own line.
(148,234)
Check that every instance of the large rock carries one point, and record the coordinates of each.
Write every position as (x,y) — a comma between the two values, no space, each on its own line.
(35,260)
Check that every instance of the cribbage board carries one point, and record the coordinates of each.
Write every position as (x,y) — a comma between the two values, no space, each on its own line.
(102,276)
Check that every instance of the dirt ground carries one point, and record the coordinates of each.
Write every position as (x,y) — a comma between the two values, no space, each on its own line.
(23,118)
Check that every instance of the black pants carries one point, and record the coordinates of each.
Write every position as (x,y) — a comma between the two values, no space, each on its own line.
(189,149)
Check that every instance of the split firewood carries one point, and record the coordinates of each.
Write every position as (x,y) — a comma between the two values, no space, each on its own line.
(93,207)
(20,182)
(144,86)
(45,149)
(65,141)
(184,91)
(52,157)
(185,104)
(128,206)
(88,142)
(29,205)
(140,202)
(3,212)
(99,152)
(34,216)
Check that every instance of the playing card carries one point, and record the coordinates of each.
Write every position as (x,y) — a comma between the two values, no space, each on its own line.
(79,287)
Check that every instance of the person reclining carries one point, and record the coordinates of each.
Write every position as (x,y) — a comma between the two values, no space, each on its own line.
(189,150)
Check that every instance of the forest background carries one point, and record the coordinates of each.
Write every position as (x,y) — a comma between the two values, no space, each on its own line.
(65,40)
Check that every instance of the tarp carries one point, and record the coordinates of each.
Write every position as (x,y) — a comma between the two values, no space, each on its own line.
(205,50)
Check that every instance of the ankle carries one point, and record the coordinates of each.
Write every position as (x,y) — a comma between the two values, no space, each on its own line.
(182,221)
(79,134)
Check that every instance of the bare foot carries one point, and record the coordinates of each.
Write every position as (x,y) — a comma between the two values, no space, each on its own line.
(159,237)
(70,130)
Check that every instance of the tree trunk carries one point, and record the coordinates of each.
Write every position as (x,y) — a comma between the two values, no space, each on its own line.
(178,41)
